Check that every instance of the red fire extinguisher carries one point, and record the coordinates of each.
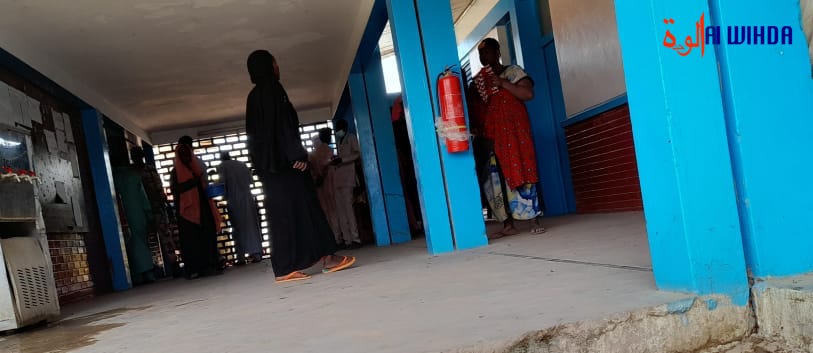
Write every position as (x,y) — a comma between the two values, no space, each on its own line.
(452,126)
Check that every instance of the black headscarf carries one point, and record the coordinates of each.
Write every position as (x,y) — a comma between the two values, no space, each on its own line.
(272,124)
(261,67)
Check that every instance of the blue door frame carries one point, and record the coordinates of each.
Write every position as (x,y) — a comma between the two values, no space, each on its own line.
(537,55)
(370,111)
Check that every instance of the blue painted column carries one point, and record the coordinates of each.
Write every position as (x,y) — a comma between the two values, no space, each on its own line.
(369,158)
(102,175)
(385,147)
(551,149)
(421,125)
(682,150)
(447,182)
(557,99)
(767,93)
(462,189)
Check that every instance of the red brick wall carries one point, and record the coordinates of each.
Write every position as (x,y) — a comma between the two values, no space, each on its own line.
(603,164)
(71,269)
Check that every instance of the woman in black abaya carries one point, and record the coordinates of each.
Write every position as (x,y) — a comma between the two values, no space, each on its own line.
(300,233)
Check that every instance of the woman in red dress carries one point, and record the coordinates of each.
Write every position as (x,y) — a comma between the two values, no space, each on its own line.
(499,117)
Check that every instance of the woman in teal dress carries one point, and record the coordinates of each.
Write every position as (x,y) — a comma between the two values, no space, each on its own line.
(138,212)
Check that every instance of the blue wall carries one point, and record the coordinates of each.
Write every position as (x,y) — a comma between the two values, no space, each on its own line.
(768,96)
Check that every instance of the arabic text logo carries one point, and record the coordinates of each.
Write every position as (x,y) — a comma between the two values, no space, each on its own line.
(735,35)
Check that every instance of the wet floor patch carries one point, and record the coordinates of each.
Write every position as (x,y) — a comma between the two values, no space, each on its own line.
(62,336)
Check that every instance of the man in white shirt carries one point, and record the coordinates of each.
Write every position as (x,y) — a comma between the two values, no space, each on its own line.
(345,181)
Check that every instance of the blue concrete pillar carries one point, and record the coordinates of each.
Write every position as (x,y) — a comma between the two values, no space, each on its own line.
(549,140)
(385,146)
(369,158)
(424,39)
(682,151)
(102,175)
(462,189)
(767,94)
(421,125)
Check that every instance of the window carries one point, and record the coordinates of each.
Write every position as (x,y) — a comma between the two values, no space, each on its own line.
(392,76)
(209,149)
(311,131)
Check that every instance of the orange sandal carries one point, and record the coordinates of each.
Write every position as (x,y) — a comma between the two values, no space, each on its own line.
(346,262)
(293,276)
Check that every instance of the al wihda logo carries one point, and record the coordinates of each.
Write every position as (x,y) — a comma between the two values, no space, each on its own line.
(734,35)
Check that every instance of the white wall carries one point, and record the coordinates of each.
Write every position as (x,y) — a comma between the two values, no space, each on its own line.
(589,53)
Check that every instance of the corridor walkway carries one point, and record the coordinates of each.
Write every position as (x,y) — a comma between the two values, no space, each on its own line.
(398,299)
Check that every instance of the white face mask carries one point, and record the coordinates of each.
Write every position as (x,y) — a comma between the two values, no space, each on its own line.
(340,133)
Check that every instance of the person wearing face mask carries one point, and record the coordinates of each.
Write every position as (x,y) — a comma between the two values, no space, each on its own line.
(345,181)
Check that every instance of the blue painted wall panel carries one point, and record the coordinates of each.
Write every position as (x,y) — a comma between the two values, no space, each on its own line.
(769,104)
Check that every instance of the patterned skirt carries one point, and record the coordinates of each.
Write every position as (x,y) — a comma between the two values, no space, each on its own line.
(521,203)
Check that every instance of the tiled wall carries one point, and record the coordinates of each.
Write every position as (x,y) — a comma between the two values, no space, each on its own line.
(71,269)
(56,144)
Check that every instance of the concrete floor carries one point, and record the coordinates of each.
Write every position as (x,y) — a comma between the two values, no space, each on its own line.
(397,299)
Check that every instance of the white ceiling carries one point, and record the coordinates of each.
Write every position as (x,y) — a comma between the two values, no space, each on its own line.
(459,8)
(153,65)
(168,63)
